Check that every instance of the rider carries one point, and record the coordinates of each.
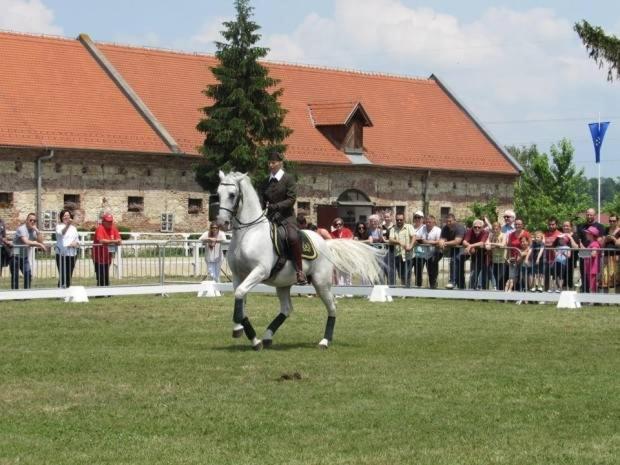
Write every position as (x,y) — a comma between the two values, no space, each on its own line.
(278,194)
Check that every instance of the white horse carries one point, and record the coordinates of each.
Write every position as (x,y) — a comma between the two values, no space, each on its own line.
(251,258)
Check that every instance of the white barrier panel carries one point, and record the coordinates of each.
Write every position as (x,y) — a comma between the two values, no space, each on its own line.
(380,294)
(208,289)
(569,299)
(76,294)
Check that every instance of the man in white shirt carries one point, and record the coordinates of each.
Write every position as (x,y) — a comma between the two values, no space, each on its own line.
(427,239)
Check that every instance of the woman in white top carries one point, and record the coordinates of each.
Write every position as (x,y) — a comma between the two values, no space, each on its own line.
(67,243)
(212,239)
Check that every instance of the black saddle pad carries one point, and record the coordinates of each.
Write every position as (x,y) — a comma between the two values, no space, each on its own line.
(280,244)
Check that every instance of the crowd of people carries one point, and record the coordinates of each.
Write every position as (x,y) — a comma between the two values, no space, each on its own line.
(503,255)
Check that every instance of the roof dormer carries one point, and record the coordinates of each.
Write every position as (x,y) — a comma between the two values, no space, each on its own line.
(342,123)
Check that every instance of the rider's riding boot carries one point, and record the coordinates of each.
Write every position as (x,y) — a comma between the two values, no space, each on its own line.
(296,249)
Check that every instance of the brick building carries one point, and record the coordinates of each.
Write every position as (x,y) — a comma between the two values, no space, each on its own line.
(108,128)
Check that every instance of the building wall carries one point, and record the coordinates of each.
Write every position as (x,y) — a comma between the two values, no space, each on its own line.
(322,185)
(104,181)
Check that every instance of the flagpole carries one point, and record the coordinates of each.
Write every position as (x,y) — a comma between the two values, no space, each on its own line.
(599,175)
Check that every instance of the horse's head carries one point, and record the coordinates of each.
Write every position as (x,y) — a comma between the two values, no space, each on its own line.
(229,192)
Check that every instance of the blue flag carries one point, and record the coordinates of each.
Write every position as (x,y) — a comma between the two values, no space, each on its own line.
(598,134)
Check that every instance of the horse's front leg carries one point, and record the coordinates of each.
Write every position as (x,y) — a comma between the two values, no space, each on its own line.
(286,307)
(256,276)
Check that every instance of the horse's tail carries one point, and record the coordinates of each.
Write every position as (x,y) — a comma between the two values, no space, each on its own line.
(357,258)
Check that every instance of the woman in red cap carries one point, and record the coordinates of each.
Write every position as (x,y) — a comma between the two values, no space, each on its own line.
(107,238)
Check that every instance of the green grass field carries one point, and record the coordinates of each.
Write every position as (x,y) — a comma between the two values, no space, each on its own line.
(151,380)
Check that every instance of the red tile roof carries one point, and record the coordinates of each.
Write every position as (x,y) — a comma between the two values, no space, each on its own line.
(53,93)
(336,113)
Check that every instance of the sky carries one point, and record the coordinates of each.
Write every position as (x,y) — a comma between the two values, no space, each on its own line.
(518,66)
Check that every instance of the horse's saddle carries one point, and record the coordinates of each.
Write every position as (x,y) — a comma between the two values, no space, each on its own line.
(280,246)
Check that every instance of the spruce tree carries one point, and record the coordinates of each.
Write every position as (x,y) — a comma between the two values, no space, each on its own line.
(602,48)
(245,121)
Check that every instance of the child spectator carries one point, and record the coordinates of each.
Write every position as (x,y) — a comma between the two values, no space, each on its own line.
(535,261)
(592,262)
(561,260)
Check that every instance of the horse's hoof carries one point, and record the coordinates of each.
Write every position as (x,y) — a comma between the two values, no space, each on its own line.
(258,346)
(324,344)
(236,333)
(267,343)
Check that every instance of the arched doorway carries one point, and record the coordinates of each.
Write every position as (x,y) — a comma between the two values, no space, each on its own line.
(352,206)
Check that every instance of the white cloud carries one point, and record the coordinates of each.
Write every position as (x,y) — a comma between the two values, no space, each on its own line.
(27,16)
(210,32)
(528,55)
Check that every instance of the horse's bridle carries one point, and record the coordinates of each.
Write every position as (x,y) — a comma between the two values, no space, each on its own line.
(235,207)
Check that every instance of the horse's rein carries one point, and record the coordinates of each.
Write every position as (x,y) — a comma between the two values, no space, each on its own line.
(233,212)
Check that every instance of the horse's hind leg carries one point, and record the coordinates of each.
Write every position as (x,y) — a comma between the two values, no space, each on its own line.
(286,307)
(325,293)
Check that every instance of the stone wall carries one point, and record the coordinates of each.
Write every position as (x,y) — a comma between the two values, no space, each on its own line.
(322,185)
(105,181)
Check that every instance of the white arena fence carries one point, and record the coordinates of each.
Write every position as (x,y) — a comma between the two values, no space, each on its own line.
(430,273)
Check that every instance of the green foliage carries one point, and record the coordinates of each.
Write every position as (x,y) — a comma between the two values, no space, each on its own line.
(549,185)
(481,211)
(602,48)
(609,187)
(245,121)
(613,206)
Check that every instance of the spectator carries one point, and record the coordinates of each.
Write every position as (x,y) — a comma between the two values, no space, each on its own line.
(523,263)
(302,223)
(561,260)
(513,242)
(509,222)
(213,240)
(592,262)
(5,247)
(573,241)
(361,233)
(450,244)
(427,239)
(550,236)
(610,278)
(107,239)
(402,237)
(390,259)
(340,231)
(584,242)
(67,243)
(474,247)
(535,262)
(27,236)
(418,261)
(496,244)
(374,229)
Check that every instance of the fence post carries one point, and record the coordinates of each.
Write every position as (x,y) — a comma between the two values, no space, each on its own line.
(196,257)
(119,261)
(162,262)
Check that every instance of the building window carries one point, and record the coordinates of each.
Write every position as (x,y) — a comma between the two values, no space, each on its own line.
(167,222)
(71,201)
(6,199)
(400,209)
(194,206)
(50,219)
(303,207)
(444,212)
(135,204)
(214,206)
